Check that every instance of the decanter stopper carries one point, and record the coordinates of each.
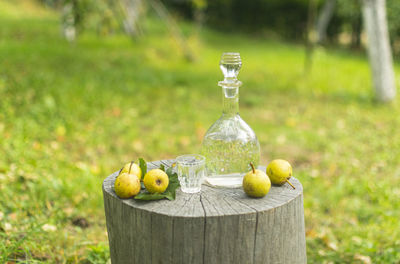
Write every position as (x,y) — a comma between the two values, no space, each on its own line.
(230,65)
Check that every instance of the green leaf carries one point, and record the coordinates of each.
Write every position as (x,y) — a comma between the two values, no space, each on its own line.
(173,184)
(146,196)
(143,166)
(169,171)
(162,167)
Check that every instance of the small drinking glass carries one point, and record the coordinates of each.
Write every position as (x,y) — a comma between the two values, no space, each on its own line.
(191,171)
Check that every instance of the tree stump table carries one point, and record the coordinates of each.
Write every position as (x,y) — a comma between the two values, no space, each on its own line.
(213,226)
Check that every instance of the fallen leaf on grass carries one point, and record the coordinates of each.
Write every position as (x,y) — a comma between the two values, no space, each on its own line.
(138,145)
(81,165)
(314,173)
(281,139)
(116,111)
(200,132)
(7,227)
(68,211)
(291,122)
(356,240)
(60,132)
(49,228)
(340,124)
(49,205)
(311,233)
(94,169)
(36,145)
(333,246)
(184,141)
(12,216)
(54,145)
(363,259)
(40,256)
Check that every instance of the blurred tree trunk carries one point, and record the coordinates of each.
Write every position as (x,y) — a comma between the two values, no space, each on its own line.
(132,10)
(310,35)
(199,13)
(380,56)
(68,20)
(323,20)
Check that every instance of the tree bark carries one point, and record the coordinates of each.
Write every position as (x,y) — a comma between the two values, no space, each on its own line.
(323,20)
(379,52)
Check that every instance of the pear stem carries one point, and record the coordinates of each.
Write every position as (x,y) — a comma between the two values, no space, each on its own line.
(129,172)
(252,167)
(291,184)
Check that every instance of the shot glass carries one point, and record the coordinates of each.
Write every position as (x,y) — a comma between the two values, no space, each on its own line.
(191,171)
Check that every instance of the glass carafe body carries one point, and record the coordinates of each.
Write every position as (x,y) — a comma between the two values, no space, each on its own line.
(230,144)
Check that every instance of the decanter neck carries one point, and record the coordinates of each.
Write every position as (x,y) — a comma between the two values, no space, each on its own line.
(230,65)
(230,101)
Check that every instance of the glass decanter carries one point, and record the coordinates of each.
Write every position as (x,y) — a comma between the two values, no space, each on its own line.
(229,144)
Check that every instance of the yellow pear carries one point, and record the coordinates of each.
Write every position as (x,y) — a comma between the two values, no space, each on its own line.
(156,181)
(126,185)
(256,183)
(279,171)
(132,168)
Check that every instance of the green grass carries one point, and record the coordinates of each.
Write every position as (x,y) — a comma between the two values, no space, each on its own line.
(72,114)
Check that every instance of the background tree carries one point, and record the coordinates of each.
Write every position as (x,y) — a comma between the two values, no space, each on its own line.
(380,55)
(132,12)
(324,17)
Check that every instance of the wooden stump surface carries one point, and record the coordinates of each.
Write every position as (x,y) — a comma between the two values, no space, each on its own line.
(213,226)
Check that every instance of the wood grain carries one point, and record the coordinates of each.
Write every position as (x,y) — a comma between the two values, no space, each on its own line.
(213,226)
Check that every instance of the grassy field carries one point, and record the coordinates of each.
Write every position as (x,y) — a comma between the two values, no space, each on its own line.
(72,114)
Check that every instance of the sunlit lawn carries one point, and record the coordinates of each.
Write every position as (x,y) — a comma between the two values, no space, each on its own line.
(72,114)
